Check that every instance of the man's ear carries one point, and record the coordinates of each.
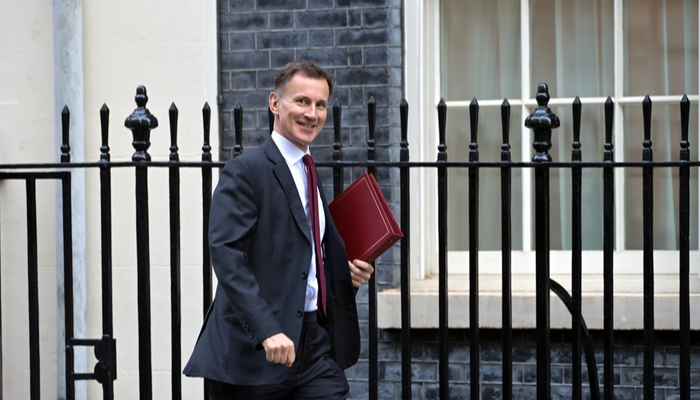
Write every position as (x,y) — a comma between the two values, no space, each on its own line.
(273,103)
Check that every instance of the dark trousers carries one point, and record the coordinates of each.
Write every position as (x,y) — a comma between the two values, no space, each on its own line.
(314,375)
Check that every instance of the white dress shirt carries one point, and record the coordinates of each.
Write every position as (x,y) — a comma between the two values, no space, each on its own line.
(293,156)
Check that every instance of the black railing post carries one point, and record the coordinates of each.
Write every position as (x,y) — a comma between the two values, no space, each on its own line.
(372,284)
(338,172)
(474,353)
(175,302)
(608,254)
(141,122)
(105,350)
(506,245)
(542,121)
(648,206)
(206,206)
(576,248)
(238,125)
(67,258)
(443,346)
(405,256)
(68,284)
(684,250)
(33,292)
(207,273)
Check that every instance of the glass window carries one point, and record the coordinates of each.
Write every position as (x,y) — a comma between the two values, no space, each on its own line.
(480,54)
(661,47)
(570,45)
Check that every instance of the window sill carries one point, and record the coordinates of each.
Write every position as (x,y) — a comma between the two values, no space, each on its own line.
(628,302)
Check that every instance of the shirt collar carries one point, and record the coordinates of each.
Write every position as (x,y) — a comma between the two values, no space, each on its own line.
(291,153)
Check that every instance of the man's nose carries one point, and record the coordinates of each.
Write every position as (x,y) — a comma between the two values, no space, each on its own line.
(311,112)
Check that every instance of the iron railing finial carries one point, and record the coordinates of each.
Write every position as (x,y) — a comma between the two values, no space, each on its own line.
(141,122)
(542,121)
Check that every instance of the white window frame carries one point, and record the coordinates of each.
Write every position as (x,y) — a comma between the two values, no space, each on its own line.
(422,90)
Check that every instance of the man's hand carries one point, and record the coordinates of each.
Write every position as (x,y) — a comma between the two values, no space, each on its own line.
(279,349)
(360,272)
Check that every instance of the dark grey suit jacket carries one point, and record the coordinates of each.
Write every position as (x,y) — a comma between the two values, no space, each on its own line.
(261,252)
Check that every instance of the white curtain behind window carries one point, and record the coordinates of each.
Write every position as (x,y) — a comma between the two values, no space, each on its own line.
(660,59)
(572,50)
(480,57)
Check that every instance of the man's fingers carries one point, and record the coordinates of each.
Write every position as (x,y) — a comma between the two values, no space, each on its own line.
(279,349)
(360,272)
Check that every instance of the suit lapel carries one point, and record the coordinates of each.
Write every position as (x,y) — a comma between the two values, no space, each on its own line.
(284,177)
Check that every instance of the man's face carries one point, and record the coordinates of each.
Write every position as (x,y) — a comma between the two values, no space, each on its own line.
(301,111)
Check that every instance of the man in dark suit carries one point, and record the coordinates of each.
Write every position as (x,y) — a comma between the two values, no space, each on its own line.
(277,329)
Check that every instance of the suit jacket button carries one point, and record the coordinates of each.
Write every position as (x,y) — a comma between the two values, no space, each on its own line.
(304,275)
(251,335)
(300,313)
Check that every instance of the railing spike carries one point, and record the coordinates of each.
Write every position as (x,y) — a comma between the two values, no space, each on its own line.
(403,109)
(206,119)
(65,127)
(238,126)
(337,145)
(372,121)
(337,140)
(442,118)
(474,125)
(646,111)
(576,144)
(173,115)
(505,129)
(104,127)
(609,117)
(685,115)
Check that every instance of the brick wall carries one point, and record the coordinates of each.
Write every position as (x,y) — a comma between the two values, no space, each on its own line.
(629,359)
(358,42)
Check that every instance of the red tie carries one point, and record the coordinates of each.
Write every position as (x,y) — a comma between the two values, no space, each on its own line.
(313,206)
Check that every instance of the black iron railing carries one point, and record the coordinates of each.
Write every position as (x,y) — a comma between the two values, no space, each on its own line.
(542,121)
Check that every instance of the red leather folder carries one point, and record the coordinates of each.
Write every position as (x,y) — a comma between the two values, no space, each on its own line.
(364,219)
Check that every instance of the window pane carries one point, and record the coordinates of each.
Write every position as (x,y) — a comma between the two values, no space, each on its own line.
(489,139)
(572,47)
(572,51)
(592,140)
(661,38)
(480,54)
(665,138)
